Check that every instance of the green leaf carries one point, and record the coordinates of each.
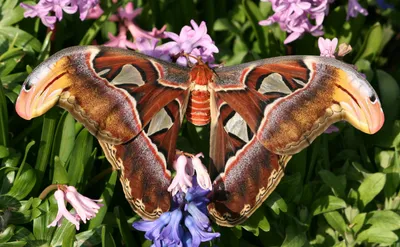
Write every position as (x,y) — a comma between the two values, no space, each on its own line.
(124,227)
(60,175)
(224,24)
(9,60)
(389,95)
(338,184)
(106,238)
(384,219)
(79,157)
(106,198)
(370,187)
(40,229)
(377,235)
(254,15)
(385,158)
(22,39)
(351,212)
(294,237)
(64,138)
(326,204)
(10,13)
(46,141)
(89,238)
(14,244)
(64,235)
(256,221)
(3,118)
(4,152)
(22,233)
(276,203)
(24,183)
(336,221)
(6,234)
(358,222)
(372,43)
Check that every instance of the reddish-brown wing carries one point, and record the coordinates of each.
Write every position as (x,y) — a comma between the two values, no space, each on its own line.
(132,103)
(265,111)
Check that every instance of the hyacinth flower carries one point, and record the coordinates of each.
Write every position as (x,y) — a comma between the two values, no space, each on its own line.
(84,207)
(125,17)
(354,8)
(327,47)
(49,11)
(192,41)
(120,40)
(187,223)
(296,17)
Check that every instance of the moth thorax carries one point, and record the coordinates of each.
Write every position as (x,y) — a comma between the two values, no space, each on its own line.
(201,74)
(198,111)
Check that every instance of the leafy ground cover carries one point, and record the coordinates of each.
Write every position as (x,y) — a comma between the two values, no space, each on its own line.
(341,191)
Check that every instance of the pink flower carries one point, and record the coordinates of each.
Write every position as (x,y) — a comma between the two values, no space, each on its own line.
(120,40)
(185,168)
(327,47)
(192,41)
(95,12)
(182,180)
(126,17)
(85,208)
(203,179)
(62,211)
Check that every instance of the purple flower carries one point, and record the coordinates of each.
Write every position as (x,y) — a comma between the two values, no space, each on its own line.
(120,40)
(354,8)
(293,16)
(191,41)
(143,41)
(95,12)
(187,223)
(150,48)
(198,234)
(86,7)
(85,208)
(45,9)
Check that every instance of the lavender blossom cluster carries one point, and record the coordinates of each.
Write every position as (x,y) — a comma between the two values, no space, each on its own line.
(46,8)
(298,17)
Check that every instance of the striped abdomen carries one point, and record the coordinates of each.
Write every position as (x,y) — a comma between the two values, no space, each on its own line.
(198,111)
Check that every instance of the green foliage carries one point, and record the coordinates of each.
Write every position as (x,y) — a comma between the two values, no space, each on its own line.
(341,191)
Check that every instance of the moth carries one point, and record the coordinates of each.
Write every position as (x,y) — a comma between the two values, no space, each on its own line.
(260,114)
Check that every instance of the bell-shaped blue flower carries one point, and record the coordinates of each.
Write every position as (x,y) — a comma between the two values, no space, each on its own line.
(186,225)
(198,234)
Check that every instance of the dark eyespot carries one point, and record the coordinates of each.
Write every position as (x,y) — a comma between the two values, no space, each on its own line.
(372,98)
(27,86)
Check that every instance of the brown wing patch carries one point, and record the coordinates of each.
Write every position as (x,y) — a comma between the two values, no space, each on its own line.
(144,175)
(249,178)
